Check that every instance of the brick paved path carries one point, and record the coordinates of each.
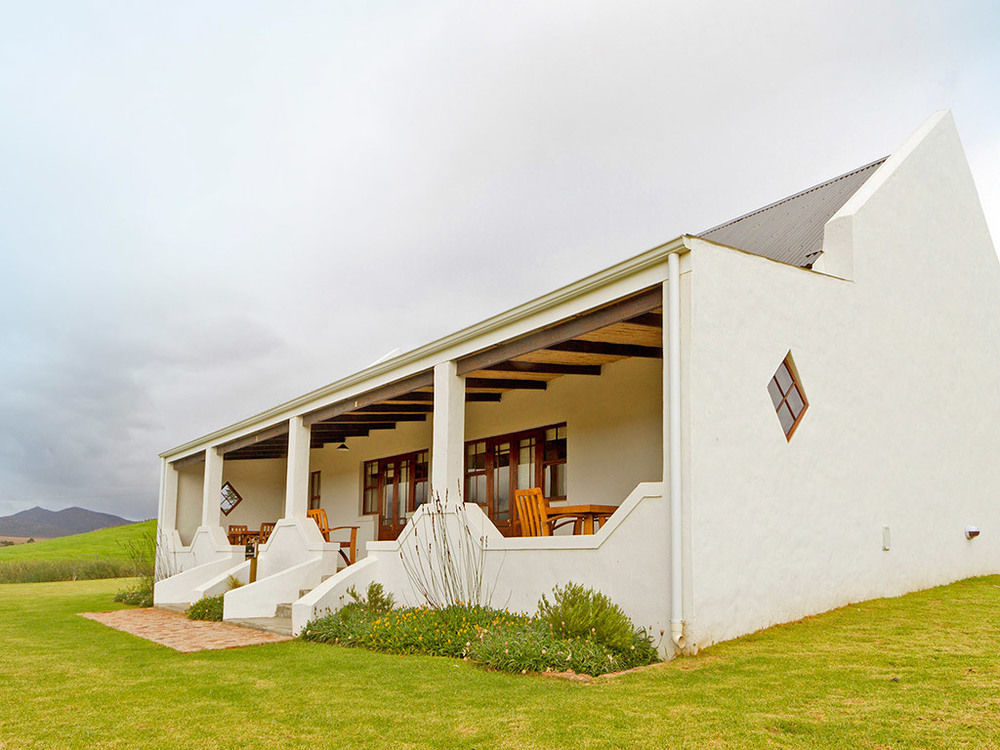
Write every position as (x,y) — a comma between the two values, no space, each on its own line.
(174,630)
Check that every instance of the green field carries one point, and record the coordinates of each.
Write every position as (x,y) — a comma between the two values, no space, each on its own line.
(107,544)
(921,671)
(101,553)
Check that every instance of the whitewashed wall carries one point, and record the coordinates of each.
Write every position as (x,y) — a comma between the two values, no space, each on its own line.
(190,480)
(900,365)
(261,484)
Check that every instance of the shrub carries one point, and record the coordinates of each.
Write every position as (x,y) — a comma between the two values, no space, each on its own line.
(207,608)
(412,630)
(536,648)
(377,598)
(580,612)
(140,595)
(606,642)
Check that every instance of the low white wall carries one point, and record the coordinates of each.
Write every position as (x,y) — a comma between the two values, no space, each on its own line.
(183,588)
(626,560)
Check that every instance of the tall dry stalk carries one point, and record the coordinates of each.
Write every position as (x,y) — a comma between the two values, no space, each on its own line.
(443,559)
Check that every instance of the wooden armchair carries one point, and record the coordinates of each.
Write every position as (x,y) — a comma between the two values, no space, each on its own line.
(237,533)
(348,548)
(533,514)
(265,531)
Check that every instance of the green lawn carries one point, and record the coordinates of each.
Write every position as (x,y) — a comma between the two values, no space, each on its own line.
(106,544)
(918,671)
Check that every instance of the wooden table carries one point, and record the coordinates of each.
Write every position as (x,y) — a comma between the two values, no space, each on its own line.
(585,513)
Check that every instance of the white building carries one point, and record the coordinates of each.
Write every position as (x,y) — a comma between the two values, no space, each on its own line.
(661,385)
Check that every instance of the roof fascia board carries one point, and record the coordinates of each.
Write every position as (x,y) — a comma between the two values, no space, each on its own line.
(619,280)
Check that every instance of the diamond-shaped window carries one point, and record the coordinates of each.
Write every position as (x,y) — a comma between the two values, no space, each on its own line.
(787,396)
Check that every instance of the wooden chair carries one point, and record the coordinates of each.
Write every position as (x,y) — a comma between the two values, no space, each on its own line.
(237,533)
(265,531)
(533,514)
(351,545)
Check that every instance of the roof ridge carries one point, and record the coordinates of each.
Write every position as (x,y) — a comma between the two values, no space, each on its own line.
(799,194)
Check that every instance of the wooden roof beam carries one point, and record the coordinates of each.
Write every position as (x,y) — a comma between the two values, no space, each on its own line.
(545,338)
(374,396)
(606,349)
(506,383)
(546,368)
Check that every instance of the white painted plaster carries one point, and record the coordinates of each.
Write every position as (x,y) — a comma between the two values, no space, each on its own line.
(297,477)
(900,370)
(447,452)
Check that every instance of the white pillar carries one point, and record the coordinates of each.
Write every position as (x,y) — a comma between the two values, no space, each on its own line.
(448,447)
(166,517)
(297,476)
(211,487)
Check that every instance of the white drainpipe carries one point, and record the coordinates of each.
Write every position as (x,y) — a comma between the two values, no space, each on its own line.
(676,558)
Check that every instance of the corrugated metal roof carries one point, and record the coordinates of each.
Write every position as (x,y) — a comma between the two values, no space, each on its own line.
(791,230)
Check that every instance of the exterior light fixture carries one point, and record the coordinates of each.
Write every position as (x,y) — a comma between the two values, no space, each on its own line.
(343,447)
(971,532)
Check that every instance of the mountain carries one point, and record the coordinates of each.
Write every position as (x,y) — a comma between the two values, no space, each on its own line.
(38,522)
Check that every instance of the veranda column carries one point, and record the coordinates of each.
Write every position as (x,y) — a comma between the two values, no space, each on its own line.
(166,517)
(211,487)
(448,447)
(297,477)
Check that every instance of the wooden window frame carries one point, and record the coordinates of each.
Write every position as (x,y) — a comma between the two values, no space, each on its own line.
(514,439)
(413,457)
(795,386)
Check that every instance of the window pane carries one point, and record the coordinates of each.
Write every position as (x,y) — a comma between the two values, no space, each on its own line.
(403,491)
(501,481)
(786,418)
(526,464)
(555,450)
(783,377)
(795,402)
(389,495)
(371,501)
(775,391)
(555,481)
(475,489)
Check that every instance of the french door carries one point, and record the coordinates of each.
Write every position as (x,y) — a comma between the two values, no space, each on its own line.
(497,466)
(400,487)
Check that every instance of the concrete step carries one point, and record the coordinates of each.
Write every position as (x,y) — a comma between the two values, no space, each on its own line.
(303,592)
(284,610)
(182,608)
(279,625)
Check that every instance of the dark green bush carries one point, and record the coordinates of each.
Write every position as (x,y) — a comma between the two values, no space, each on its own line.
(139,595)
(207,608)
(579,612)
(376,597)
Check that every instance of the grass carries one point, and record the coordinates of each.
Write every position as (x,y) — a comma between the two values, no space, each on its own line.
(104,553)
(106,544)
(917,671)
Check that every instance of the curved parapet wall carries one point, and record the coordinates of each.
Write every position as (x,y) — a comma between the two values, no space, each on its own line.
(627,559)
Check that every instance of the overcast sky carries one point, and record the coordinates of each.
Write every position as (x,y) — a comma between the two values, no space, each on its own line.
(207,208)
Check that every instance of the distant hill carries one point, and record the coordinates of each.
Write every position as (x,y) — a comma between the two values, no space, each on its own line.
(38,522)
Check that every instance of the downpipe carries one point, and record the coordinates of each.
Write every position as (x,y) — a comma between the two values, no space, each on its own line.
(676,516)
